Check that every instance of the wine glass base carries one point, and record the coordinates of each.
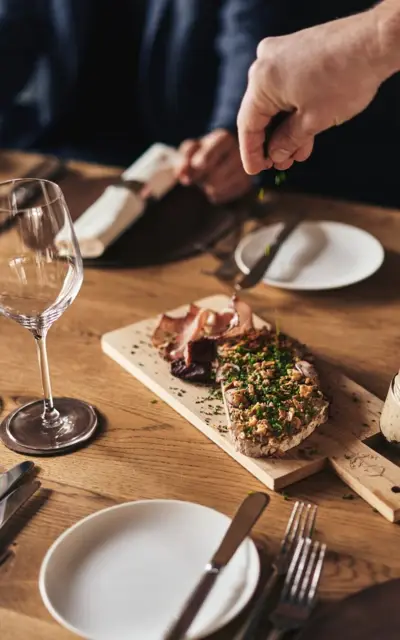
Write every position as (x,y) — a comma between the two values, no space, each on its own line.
(24,432)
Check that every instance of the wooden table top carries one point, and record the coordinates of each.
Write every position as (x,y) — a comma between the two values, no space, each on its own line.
(147,450)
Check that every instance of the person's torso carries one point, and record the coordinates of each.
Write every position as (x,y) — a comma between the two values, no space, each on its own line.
(151,66)
(103,105)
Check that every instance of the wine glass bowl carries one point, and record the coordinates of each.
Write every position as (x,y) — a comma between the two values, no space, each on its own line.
(41,273)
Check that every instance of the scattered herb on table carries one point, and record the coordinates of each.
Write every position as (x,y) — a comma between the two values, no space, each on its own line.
(348,496)
(285,495)
(153,401)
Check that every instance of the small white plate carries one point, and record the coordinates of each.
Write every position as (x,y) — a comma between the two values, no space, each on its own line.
(125,572)
(316,256)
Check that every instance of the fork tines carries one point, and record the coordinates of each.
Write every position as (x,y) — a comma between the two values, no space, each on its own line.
(301,525)
(304,572)
(300,528)
(299,593)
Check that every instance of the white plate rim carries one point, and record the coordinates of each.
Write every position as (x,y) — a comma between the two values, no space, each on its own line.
(295,287)
(213,628)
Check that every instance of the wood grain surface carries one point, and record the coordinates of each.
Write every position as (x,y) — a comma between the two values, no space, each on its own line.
(146,450)
(354,418)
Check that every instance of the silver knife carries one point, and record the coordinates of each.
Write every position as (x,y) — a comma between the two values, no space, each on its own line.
(246,517)
(9,479)
(11,503)
(262,264)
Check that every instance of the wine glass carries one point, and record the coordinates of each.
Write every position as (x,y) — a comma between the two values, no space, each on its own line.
(41,273)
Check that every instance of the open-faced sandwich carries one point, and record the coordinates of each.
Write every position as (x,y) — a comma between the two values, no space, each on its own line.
(271,389)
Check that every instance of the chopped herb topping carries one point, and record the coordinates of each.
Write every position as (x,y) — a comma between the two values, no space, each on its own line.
(267,394)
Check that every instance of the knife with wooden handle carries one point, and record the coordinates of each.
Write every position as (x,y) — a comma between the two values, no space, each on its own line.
(247,515)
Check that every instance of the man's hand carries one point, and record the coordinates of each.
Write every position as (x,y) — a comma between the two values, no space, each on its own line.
(321,77)
(214,164)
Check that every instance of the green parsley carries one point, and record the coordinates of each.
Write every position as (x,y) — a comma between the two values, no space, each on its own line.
(280,178)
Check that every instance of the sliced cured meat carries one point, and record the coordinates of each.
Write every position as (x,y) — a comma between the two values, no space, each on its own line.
(173,335)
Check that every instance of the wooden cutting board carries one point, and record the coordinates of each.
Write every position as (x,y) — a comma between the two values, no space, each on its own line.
(341,442)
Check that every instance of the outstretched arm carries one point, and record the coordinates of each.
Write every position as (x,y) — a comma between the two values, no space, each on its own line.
(321,77)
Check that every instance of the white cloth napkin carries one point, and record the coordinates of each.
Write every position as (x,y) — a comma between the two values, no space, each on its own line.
(118,207)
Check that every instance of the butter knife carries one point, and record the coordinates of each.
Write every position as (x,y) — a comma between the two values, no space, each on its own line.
(11,503)
(247,515)
(10,478)
(258,270)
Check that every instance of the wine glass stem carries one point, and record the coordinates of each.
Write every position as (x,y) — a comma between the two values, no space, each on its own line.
(50,414)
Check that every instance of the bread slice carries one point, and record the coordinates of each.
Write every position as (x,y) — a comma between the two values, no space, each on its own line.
(271,392)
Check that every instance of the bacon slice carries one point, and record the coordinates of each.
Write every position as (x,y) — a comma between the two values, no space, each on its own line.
(168,327)
(176,337)
(242,319)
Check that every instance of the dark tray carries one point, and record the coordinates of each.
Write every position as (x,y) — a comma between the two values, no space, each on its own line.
(178,227)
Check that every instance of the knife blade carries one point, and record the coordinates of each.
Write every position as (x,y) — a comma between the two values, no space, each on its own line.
(247,515)
(9,479)
(262,264)
(11,503)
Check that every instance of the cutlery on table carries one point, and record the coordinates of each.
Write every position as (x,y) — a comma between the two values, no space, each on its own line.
(262,264)
(136,186)
(10,478)
(247,515)
(301,525)
(299,591)
(228,268)
(11,503)
(250,208)
(51,168)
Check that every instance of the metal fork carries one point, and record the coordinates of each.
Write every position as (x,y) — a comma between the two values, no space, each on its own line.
(249,209)
(299,592)
(301,525)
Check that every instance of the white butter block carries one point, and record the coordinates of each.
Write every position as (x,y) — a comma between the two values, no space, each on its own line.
(118,207)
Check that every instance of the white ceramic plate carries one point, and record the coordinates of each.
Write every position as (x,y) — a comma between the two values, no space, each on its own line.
(316,256)
(125,572)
